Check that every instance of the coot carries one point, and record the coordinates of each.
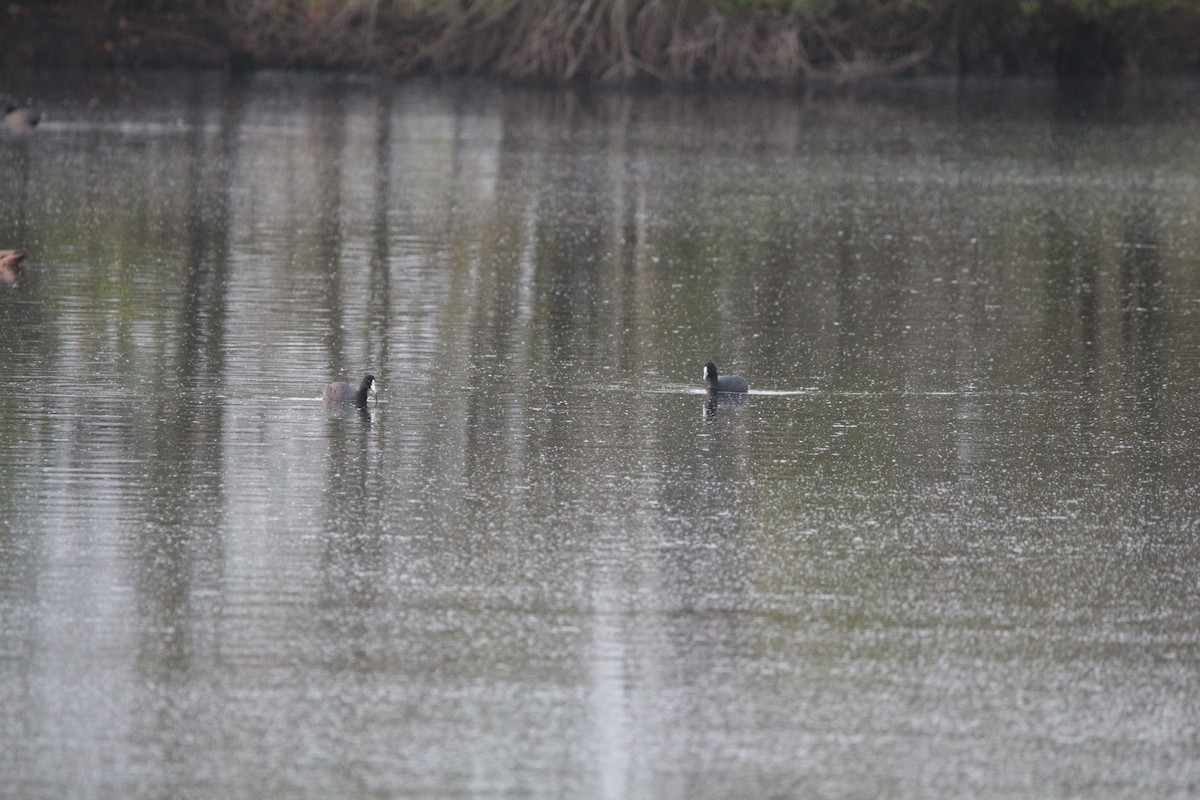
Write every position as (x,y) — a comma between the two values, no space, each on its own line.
(723,383)
(345,393)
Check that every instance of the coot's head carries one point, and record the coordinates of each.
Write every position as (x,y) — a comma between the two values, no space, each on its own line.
(365,389)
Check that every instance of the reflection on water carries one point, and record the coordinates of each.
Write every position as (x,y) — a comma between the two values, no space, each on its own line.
(946,547)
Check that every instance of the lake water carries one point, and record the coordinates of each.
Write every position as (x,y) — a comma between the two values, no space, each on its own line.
(947,547)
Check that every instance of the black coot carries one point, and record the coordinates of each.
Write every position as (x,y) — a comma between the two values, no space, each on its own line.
(723,383)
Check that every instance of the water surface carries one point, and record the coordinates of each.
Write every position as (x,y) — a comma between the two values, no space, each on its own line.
(947,547)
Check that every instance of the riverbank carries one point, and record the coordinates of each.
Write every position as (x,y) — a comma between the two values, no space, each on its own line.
(781,42)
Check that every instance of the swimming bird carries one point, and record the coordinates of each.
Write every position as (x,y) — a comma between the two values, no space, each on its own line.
(10,265)
(344,393)
(19,119)
(727,383)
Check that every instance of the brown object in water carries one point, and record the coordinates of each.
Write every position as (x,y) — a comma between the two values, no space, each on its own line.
(10,265)
(20,120)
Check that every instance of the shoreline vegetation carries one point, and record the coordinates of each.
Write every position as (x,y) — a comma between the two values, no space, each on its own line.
(618,42)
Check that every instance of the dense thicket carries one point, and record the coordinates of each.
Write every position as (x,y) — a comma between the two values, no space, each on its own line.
(777,41)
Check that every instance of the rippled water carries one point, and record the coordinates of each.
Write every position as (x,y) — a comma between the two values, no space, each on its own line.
(947,547)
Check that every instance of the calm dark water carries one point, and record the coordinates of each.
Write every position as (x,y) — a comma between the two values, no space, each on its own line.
(946,548)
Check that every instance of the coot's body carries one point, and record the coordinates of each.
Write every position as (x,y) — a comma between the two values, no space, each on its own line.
(347,394)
